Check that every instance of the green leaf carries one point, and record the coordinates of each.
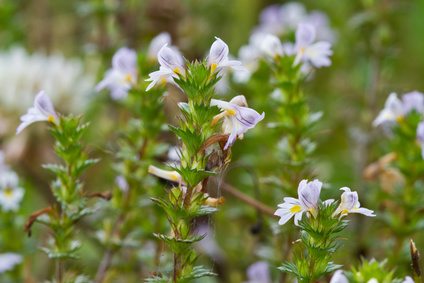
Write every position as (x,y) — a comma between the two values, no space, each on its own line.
(193,176)
(192,140)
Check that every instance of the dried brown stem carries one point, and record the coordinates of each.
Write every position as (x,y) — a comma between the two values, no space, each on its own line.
(249,200)
(31,219)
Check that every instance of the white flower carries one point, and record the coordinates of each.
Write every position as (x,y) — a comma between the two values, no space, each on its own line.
(238,118)
(392,112)
(171,66)
(350,204)
(164,174)
(157,43)
(413,101)
(122,183)
(408,279)
(218,58)
(271,46)
(8,261)
(42,111)
(258,273)
(315,53)
(307,202)
(420,136)
(338,277)
(372,280)
(10,194)
(123,74)
(22,74)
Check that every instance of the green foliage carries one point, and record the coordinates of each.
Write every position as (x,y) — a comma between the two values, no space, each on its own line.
(372,269)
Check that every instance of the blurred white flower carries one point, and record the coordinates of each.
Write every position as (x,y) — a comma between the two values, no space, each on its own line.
(22,75)
(408,279)
(258,272)
(309,51)
(10,194)
(123,74)
(392,112)
(122,183)
(8,261)
(271,46)
(157,43)
(338,277)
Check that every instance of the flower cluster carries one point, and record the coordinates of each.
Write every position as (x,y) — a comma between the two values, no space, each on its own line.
(276,22)
(308,203)
(10,194)
(396,109)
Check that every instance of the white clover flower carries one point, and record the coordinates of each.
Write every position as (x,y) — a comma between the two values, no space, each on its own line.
(171,66)
(238,118)
(307,202)
(350,204)
(218,58)
(392,112)
(157,43)
(307,51)
(8,261)
(271,46)
(338,277)
(43,110)
(258,272)
(123,74)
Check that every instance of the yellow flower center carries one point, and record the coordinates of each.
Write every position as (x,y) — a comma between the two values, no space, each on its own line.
(163,81)
(177,71)
(50,119)
(8,193)
(128,79)
(345,211)
(174,176)
(302,49)
(232,112)
(213,67)
(295,208)
(399,119)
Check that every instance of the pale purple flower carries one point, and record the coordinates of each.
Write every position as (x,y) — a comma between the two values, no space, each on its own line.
(271,46)
(218,58)
(43,110)
(123,74)
(392,112)
(292,14)
(420,136)
(413,101)
(338,277)
(307,202)
(307,51)
(171,66)
(8,261)
(122,183)
(258,273)
(350,204)
(408,279)
(157,43)
(238,119)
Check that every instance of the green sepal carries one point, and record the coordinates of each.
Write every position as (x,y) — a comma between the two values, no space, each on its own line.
(179,246)
(193,176)
(191,139)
